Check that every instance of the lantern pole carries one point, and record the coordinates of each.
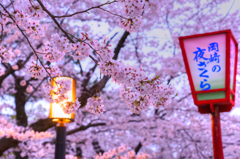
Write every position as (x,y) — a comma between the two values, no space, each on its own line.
(60,141)
(216,134)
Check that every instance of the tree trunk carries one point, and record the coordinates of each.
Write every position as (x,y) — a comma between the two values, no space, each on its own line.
(20,101)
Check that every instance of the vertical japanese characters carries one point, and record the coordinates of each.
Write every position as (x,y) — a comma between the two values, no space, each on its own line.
(203,61)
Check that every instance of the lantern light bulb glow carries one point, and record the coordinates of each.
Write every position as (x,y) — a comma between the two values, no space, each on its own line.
(56,112)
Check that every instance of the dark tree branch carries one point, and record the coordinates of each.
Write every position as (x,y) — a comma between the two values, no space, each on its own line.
(84,127)
(81,128)
(7,143)
(120,44)
(138,147)
(42,125)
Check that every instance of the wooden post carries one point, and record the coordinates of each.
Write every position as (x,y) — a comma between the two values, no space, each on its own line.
(216,134)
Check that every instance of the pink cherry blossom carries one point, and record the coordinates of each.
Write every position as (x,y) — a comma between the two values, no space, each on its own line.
(70,107)
(5,55)
(29,89)
(15,67)
(36,70)
(23,83)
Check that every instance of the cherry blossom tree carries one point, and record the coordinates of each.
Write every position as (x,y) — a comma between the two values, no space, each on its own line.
(133,96)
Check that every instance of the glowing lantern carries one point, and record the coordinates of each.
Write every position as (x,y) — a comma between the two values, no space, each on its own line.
(56,112)
(211,64)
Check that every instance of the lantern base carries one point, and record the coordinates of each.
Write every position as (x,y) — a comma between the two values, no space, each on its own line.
(62,120)
(205,109)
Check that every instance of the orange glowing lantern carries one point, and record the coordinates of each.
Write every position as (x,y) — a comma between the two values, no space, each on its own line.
(56,112)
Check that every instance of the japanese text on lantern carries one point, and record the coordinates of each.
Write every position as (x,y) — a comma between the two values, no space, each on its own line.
(202,62)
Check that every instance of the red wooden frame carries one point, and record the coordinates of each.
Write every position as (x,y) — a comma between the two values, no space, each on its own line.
(225,104)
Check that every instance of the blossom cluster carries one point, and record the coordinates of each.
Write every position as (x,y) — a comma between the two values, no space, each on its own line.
(28,16)
(137,90)
(133,10)
(31,25)
(53,71)
(95,105)
(151,6)
(19,133)
(122,152)
(57,93)
(36,70)
(149,92)
(5,55)
(52,54)
(34,10)
(82,49)
(69,107)
(36,149)
(56,48)
(102,49)
(131,25)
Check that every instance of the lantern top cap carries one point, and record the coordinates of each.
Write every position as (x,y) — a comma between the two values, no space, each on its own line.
(63,77)
(207,34)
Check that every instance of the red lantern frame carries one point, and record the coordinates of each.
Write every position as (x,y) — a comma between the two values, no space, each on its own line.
(225,104)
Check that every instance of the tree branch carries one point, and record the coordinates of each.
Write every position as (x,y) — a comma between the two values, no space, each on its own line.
(70,15)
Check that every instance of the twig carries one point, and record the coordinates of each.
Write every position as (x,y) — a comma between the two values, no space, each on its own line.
(111,38)
(62,16)
(168,25)
(1,34)
(96,62)
(36,89)
(184,97)
(113,13)
(81,70)
(226,14)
